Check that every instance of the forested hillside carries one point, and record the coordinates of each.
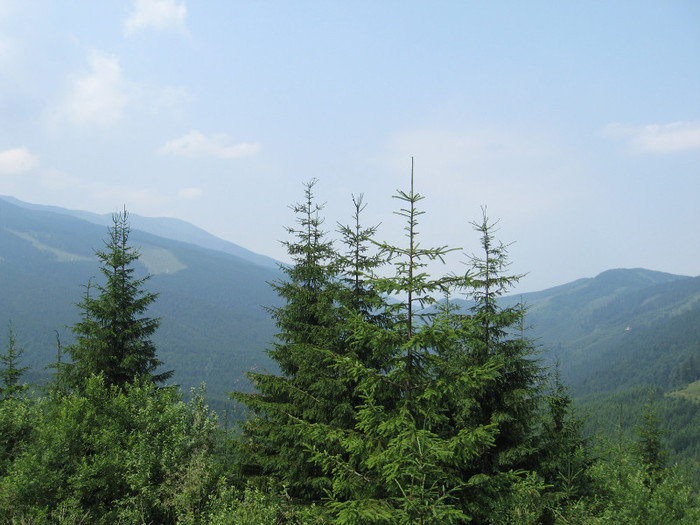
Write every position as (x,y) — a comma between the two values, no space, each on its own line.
(212,304)
(384,404)
(380,403)
(620,336)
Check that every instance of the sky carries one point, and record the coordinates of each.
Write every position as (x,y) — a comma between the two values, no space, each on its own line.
(576,124)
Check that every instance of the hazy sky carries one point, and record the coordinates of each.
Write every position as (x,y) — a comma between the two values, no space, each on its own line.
(576,123)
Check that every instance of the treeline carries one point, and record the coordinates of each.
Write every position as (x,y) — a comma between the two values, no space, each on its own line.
(391,406)
(610,414)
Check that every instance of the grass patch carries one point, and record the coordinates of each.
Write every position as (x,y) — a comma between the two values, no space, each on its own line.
(60,255)
(691,391)
(160,260)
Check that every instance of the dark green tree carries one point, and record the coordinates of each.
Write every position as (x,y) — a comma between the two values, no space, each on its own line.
(10,371)
(649,444)
(358,296)
(563,458)
(512,400)
(307,388)
(57,385)
(113,334)
(396,407)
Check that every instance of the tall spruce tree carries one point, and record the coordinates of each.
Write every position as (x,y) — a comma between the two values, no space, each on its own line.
(397,408)
(357,264)
(113,337)
(512,400)
(649,444)
(307,389)
(563,460)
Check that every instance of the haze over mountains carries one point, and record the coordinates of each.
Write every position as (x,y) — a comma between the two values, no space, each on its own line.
(214,325)
(622,328)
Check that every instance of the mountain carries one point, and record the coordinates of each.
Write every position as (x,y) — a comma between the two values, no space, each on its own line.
(212,304)
(617,331)
(606,331)
(620,338)
(166,227)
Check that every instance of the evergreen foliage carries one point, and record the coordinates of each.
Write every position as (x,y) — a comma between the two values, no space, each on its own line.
(512,399)
(307,388)
(649,443)
(136,454)
(400,464)
(10,371)
(623,493)
(113,337)
(439,407)
(563,457)
(389,407)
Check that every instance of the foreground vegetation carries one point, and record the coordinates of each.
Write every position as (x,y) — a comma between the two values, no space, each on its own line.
(390,406)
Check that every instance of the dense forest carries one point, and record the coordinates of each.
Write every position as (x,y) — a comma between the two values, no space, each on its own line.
(392,403)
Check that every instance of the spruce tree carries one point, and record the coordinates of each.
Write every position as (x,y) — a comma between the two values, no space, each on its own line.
(113,336)
(391,406)
(512,400)
(307,387)
(10,371)
(357,264)
(562,460)
(649,445)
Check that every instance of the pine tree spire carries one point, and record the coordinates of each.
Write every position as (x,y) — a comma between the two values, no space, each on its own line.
(114,335)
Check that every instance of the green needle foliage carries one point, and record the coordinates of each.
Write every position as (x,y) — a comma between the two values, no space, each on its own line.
(649,444)
(132,454)
(511,400)
(113,335)
(392,407)
(307,388)
(400,461)
(10,371)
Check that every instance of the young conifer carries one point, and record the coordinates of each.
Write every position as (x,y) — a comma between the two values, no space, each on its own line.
(113,335)
(307,389)
(511,401)
(563,460)
(10,371)
(649,445)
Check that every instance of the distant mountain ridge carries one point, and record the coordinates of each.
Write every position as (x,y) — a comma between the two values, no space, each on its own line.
(605,330)
(212,304)
(587,324)
(169,228)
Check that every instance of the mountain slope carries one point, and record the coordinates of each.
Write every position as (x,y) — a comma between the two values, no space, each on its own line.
(619,335)
(594,325)
(214,326)
(166,227)
(622,328)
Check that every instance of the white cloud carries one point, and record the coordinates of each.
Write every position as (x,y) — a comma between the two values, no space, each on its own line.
(195,144)
(156,14)
(17,160)
(657,138)
(189,193)
(100,96)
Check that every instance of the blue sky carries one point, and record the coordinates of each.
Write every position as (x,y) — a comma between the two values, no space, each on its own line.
(575,123)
